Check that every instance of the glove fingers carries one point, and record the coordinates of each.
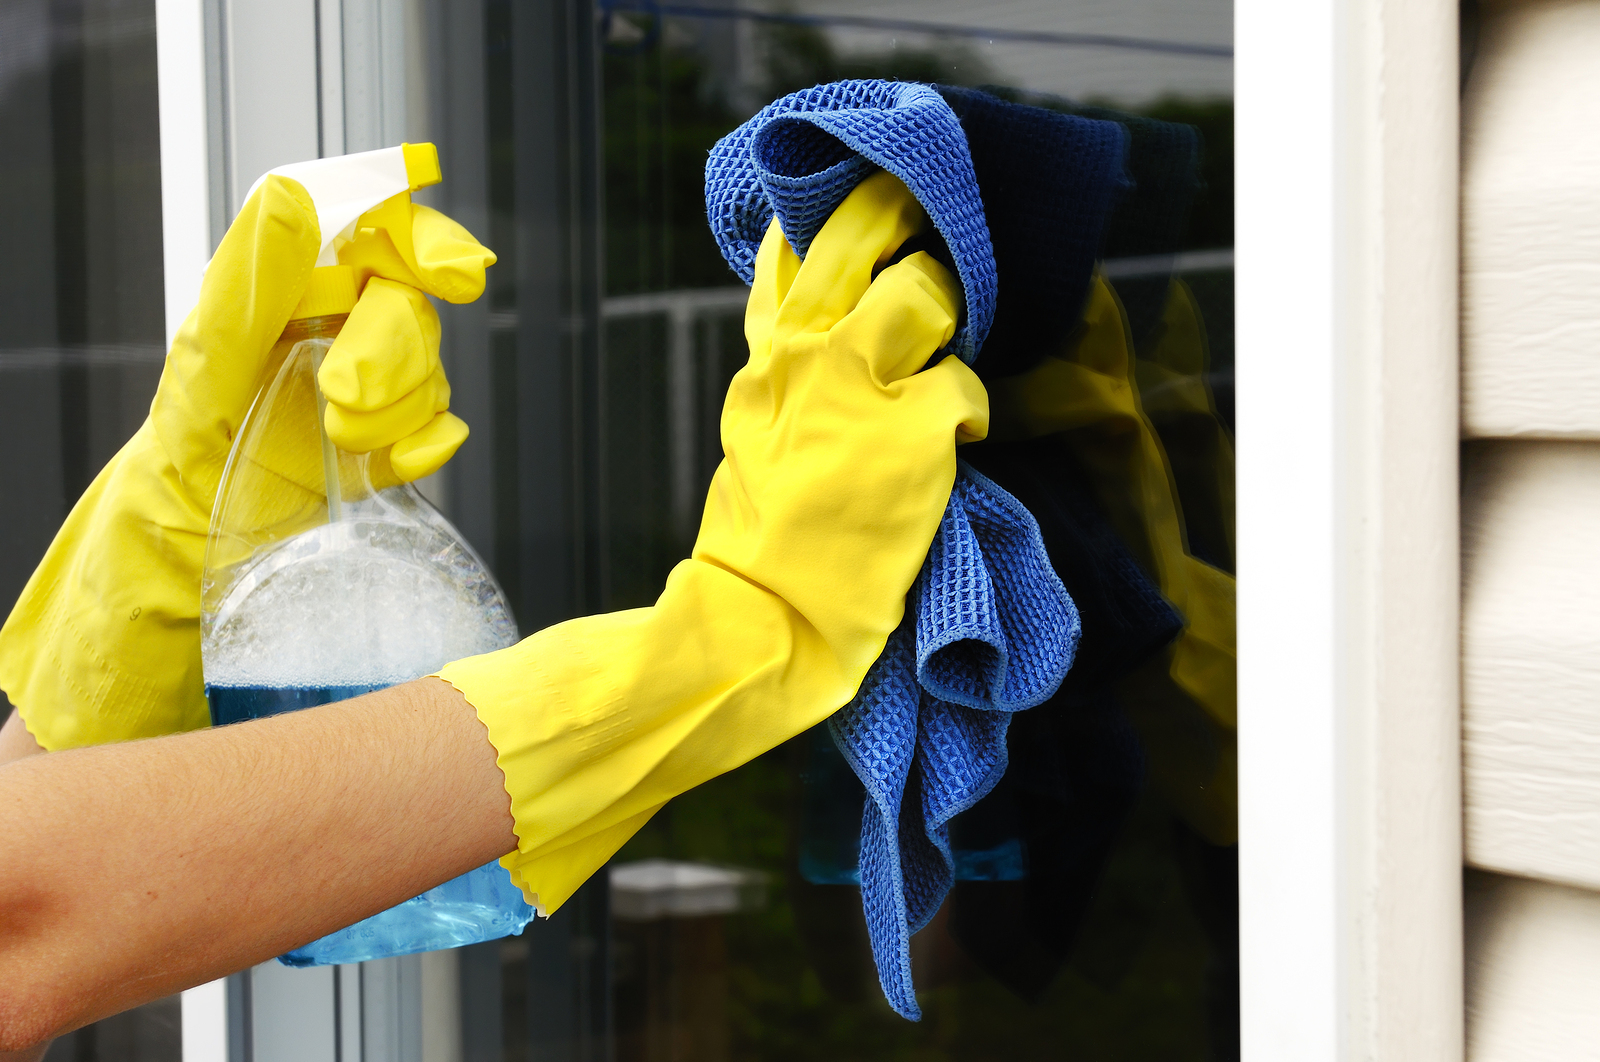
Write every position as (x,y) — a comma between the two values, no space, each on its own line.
(387,349)
(862,234)
(951,387)
(450,262)
(362,432)
(908,313)
(424,452)
(411,244)
(776,266)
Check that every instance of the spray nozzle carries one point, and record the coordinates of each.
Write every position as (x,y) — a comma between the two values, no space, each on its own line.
(369,227)
(368,222)
(347,186)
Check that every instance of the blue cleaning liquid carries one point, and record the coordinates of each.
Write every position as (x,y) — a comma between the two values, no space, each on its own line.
(235,704)
(480,905)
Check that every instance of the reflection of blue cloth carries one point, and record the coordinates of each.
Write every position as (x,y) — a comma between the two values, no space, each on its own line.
(1049,182)
(989,630)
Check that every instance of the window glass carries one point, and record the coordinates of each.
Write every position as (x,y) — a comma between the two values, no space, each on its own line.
(81,314)
(1096,913)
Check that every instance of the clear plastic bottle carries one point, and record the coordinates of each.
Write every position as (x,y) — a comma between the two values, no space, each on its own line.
(327,578)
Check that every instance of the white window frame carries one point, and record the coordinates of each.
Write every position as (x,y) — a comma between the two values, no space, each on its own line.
(1350,836)
(1349,711)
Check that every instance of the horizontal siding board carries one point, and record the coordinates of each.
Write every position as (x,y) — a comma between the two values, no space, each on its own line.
(1533,971)
(1531,658)
(1530,335)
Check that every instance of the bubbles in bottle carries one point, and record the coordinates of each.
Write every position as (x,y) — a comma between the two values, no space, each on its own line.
(364,602)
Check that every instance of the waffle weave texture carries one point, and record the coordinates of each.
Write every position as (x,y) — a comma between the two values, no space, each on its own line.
(801,155)
(989,631)
(1051,185)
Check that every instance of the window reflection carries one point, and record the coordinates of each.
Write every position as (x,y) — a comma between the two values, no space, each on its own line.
(81,312)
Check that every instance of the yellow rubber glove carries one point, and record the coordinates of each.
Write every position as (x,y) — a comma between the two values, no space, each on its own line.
(840,459)
(104,643)
(382,378)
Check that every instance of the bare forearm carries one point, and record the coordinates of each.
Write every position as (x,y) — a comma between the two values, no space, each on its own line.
(134,871)
(15,744)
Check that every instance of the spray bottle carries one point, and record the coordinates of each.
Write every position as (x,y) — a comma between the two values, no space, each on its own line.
(326,577)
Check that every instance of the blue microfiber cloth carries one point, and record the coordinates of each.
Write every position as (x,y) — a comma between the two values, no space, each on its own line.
(801,155)
(1125,620)
(989,628)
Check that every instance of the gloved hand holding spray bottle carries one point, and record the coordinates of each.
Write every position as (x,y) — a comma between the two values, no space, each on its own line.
(327,575)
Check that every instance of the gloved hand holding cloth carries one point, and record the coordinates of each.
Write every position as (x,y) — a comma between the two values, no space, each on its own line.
(840,457)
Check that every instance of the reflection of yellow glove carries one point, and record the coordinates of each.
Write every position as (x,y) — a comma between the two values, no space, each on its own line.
(1171,373)
(1184,703)
(1087,391)
(104,643)
(840,460)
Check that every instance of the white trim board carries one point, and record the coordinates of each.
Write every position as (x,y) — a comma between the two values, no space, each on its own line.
(185,222)
(1350,855)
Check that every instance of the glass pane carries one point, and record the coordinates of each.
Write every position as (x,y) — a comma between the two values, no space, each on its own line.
(81,314)
(151,1033)
(81,328)
(1095,912)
